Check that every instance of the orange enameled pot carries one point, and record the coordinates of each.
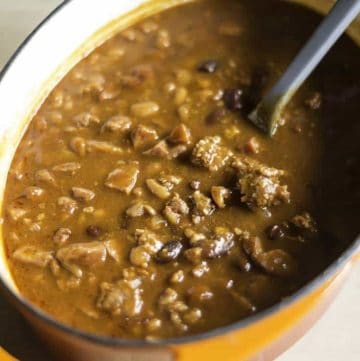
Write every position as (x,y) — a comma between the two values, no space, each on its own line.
(24,83)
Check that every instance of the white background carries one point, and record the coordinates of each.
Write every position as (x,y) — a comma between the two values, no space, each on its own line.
(335,337)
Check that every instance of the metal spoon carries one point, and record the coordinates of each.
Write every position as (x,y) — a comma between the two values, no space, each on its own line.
(267,114)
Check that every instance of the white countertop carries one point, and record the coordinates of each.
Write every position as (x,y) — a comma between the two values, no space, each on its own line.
(335,337)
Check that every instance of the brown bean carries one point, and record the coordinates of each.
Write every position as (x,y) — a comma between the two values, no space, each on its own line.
(170,251)
(208,66)
(233,99)
(94,231)
(275,232)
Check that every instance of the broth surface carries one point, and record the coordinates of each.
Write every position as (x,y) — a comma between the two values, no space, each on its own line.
(141,202)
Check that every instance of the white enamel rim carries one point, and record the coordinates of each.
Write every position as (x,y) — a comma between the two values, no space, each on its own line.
(38,58)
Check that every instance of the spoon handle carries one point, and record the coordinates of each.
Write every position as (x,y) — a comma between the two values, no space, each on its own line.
(268,112)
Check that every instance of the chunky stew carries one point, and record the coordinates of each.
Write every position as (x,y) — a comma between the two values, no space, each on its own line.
(141,202)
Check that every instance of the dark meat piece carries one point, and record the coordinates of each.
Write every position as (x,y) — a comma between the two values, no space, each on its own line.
(209,153)
(170,251)
(260,185)
(208,66)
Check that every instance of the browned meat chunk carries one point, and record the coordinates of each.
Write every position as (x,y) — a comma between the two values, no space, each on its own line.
(124,177)
(123,298)
(180,135)
(175,209)
(209,153)
(143,136)
(82,194)
(84,254)
(260,185)
(32,256)
(61,236)
(220,195)
(117,124)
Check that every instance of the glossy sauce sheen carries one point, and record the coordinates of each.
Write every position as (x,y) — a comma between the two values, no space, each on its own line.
(202,66)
